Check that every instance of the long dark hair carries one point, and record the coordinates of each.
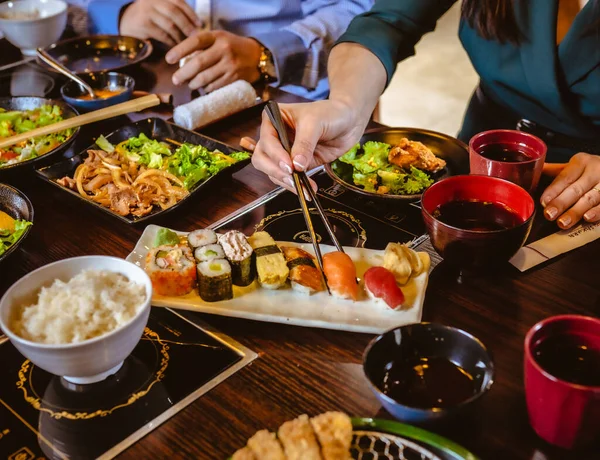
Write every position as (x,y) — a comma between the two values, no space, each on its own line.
(496,20)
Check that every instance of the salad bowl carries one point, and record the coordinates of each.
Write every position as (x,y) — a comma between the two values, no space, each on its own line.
(454,152)
(24,103)
(14,203)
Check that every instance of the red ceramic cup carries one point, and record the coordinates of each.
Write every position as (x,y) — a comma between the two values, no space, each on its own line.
(562,413)
(525,171)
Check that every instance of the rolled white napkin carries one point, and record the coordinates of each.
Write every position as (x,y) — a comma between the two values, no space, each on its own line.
(560,242)
(225,101)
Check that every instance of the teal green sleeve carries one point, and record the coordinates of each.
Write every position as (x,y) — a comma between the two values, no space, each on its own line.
(393,27)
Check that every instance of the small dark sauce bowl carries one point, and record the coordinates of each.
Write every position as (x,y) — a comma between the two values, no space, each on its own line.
(427,340)
(72,91)
(477,249)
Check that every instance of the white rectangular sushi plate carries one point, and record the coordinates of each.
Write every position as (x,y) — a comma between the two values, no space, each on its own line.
(291,307)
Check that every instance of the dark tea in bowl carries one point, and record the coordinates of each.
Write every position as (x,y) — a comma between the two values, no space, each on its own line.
(562,380)
(512,155)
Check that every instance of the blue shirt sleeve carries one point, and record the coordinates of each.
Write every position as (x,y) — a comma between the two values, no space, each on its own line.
(104,15)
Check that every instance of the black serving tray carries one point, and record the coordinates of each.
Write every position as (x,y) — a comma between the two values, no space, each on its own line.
(154,128)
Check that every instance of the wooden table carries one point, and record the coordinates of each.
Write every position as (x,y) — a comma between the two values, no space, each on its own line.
(310,370)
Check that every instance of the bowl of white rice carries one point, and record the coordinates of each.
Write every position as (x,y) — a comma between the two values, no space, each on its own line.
(78,318)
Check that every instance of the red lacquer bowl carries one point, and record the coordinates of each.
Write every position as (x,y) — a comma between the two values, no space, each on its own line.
(477,249)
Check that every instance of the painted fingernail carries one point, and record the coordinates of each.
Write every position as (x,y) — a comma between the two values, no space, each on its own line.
(564,221)
(175,81)
(544,202)
(288,180)
(590,215)
(551,212)
(300,162)
(286,167)
(306,195)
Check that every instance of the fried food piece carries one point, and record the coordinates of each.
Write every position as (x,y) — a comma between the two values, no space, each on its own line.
(334,432)
(404,263)
(298,439)
(411,153)
(243,454)
(264,446)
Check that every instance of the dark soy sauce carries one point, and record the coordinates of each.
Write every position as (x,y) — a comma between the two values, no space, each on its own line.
(427,383)
(477,215)
(571,358)
(509,153)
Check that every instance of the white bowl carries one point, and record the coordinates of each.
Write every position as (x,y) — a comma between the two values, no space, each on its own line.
(89,361)
(29,34)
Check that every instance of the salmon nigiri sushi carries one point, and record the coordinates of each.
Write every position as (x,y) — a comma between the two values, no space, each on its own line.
(341,275)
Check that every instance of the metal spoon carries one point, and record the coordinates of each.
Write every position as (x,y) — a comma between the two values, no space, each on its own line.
(66,72)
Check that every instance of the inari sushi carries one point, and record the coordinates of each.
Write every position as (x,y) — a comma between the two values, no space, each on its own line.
(214,280)
(239,254)
(341,275)
(199,238)
(271,267)
(304,274)
(171,269)
(380,283)
(209,252)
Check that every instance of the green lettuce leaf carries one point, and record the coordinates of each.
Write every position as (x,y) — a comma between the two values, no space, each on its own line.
(11,238)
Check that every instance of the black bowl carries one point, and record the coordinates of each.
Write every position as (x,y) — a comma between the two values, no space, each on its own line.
(455,152)
(14,203)
(427,340)
(100,53)
(72,91)
(29,103)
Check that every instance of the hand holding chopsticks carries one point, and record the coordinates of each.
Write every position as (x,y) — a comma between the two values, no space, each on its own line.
(302,185)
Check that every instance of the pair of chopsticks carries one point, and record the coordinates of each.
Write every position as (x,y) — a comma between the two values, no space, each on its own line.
(135,105)
(302,184)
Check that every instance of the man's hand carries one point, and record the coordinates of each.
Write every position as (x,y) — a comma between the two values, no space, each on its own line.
(219,58)
(575,193)
(168,21)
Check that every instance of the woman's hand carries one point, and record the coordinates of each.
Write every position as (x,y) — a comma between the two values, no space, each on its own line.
(322,132)
(575,193)
(215,59)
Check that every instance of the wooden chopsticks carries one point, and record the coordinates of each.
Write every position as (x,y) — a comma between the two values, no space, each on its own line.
(302,184)
(135,105)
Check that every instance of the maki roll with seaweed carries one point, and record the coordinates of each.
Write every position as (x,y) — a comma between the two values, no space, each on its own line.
(271,267)
(209,252)
(171,269)
(203,237)
(214,280)
(239,253)
(304,274)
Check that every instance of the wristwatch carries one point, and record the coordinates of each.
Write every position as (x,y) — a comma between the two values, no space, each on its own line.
(266,65)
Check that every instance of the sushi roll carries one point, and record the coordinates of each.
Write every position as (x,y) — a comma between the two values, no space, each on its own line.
(271,267)
(341,275)
(214,280)
(171,269)
(239,253)
(304,275)
(380,283)
(209,252)
(199,238)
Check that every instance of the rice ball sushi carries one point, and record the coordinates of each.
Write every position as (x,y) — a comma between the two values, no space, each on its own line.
(214,280)
(271,267)
(239,254)
(209,252)
(172,270)
(304,274)
(203,237)
(341,275)
(380,284)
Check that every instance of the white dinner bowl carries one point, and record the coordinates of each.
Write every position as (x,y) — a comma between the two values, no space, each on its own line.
(89,361)
(29,34)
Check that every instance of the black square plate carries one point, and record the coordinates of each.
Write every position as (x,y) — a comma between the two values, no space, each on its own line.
(154,128)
